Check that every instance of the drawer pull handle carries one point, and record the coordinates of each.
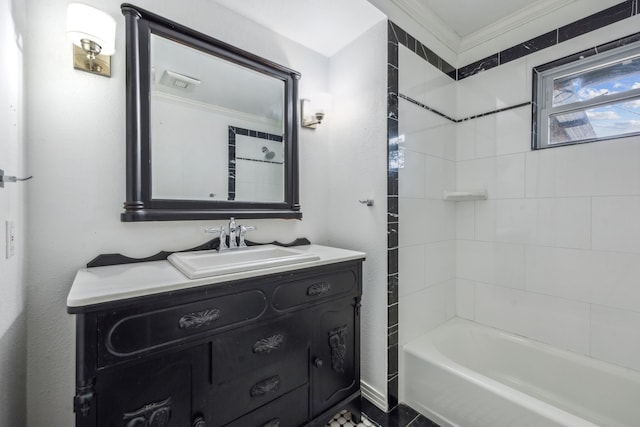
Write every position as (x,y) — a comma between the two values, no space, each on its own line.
(267,345)
(318,289)
(199,422)
(272,423)
(155,414)
(266,386)
(199,318)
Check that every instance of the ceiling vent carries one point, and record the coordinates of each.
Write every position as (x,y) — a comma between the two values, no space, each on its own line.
(177,80)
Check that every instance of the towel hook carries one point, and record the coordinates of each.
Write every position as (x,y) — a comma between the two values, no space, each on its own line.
(7,178)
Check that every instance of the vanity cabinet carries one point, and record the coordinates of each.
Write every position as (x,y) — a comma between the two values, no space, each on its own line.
(272,350)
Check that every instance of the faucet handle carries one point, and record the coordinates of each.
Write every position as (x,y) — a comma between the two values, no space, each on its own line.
(223,236)
(243,231)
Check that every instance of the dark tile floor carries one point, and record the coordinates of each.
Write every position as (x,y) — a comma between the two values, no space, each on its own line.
(401,416)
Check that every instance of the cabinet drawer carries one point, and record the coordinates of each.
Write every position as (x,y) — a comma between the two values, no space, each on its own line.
(257,388)
(130,332)
(304,291)
(246,350)
(291,410)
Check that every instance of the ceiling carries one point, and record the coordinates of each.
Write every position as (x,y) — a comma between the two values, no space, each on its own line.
(324,26)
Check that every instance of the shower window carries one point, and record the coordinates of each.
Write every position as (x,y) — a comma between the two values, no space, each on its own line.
(589,99)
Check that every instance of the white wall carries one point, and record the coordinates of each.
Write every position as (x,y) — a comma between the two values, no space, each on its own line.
(12,196)
(554,253)
(76,152)
(356,171)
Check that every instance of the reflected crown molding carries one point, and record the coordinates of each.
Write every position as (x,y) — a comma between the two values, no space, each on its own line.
(203,106)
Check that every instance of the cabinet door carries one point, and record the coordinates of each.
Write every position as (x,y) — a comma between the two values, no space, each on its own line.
(158,391)
(335,354)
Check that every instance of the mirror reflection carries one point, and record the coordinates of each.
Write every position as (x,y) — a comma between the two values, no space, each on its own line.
(216,128)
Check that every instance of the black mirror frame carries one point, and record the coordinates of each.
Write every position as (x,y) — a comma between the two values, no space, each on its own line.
(139,205)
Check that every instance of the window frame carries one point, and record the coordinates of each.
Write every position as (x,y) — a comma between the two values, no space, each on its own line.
(544,77)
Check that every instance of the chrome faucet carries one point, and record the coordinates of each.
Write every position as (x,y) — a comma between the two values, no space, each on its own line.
(235,232)
(243,231)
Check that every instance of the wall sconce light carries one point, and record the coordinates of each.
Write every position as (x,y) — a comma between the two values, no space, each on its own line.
(93,34)
(313,112)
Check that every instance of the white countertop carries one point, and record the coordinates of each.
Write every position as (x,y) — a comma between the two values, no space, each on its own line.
(118,282)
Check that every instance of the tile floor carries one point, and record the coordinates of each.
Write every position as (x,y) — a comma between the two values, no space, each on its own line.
(343,419)
(401,416)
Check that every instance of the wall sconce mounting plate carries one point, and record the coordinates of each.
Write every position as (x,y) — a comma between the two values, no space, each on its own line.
(101,65)
(309,119)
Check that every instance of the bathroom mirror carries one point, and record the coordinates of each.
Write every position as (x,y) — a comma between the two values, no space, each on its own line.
(211,129)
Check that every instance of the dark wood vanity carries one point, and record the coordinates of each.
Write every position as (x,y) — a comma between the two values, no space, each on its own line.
(279,349)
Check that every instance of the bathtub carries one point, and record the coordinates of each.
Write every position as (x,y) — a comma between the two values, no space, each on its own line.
(468,375)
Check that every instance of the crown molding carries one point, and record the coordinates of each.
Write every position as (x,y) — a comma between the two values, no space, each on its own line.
(427,19)
(511,22)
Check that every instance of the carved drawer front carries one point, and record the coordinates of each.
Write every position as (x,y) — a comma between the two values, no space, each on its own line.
(309,290)
(248,349)
(252,390)
(290,410)
(131,332)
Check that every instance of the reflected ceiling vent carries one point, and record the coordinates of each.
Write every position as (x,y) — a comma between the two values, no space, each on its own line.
(178,81)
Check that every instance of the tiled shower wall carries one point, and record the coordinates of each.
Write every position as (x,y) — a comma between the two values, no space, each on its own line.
(427,236)
(554,253)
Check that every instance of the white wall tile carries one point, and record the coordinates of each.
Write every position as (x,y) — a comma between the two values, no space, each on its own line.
(411,269)
(414,119)
(545,222)
(486,135)
(559,322)
(500,87)
(411,74)
(605,168)
(439,262)
(466,140)
(614,336)
(440,175)
(616,224)
(465,299)
(503,176)
(514,131)
(465,220)
(563,223)
(509,221)
(426,221)
(607,278)
(450,298)
(423,82)
(421,312)
(412,175)
(489,262)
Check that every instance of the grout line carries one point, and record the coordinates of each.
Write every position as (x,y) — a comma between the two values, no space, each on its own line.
(412,421)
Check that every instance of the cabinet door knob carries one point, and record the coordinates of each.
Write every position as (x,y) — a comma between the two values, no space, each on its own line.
(199,422)
(317,362)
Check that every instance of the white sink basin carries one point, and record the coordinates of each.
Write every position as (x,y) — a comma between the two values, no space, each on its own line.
(198,264)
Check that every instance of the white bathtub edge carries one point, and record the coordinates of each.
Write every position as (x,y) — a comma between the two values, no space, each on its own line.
(424,349)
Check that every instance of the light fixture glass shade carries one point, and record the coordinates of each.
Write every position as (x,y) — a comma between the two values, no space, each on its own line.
(86,22)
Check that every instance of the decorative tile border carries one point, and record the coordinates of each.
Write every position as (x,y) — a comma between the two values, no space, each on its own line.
(605,17)
(392,207)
